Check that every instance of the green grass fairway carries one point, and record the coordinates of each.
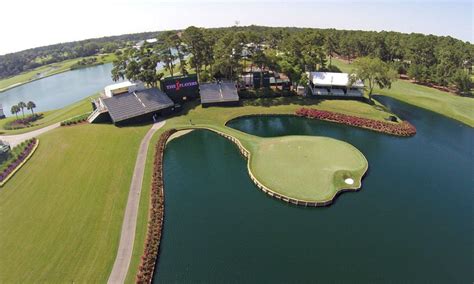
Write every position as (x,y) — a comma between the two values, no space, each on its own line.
(61,214)
(307,168)
(46,71)
(450,105)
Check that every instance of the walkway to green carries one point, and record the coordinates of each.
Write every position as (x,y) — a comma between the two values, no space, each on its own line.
(127,236)
(16,139)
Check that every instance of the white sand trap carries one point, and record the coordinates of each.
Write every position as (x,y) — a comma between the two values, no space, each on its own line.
(349,181)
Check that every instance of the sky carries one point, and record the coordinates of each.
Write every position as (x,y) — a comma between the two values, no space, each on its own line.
(31,23)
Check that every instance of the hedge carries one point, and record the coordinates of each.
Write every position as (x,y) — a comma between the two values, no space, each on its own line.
(398,129)
(155,215)
(76,119)
(26,149)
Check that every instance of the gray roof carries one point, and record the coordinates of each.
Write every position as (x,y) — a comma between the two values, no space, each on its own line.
(218,92)
(129,105)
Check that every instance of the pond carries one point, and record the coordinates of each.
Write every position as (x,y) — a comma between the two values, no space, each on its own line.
(59,90)
(411,221)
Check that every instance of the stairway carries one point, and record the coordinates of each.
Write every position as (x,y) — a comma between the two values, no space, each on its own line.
(95,114)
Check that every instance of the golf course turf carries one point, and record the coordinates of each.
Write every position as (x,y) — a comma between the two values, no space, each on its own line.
(78,180)
(450,105)
(305,168)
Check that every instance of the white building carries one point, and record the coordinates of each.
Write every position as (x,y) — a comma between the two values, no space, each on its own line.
(335,84)
(123,87)
(139,44)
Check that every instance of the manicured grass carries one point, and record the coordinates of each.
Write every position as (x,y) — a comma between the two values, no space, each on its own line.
(215,118)
(65,207)
(450,105)
(61,214)
(50,117)
(47,70)
(306,168)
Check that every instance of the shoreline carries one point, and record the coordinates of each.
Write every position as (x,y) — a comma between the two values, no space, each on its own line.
(45,76)
(247,155)
(178,134)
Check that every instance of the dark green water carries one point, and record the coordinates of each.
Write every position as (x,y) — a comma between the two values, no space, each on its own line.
(411,222)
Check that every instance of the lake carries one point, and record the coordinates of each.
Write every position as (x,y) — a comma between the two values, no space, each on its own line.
(410,222)
(59,90)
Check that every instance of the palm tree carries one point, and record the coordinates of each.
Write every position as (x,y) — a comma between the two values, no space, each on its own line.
(22,106)
(15,110)
(31,105)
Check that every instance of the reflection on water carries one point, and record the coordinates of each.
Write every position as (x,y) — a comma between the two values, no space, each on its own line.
(59,90)
(411,222)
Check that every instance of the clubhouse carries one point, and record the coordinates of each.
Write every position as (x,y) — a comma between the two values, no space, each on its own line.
(333,84)
(130,101)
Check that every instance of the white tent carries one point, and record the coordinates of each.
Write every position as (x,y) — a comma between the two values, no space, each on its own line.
(330,79)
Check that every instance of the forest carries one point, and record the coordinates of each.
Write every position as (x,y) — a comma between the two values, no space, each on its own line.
(14,63)
(222,52)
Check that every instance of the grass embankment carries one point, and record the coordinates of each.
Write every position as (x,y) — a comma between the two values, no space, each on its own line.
(450,105)
(61,214)
(49,117)
(49,70)
(215,118)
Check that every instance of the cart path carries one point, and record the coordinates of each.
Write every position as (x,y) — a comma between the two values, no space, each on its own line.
(16,139)
(127,237)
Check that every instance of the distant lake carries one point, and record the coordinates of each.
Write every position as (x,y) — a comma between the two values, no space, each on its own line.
(59,90)
(410,223)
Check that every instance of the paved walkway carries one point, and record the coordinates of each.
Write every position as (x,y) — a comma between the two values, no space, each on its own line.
(16,139)
(124,254)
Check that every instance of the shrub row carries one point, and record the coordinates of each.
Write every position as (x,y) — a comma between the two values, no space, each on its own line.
(25,150)
(75,120)
(155,216)
(399,129)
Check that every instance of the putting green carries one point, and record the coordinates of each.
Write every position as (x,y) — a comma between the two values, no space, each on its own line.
(307,168)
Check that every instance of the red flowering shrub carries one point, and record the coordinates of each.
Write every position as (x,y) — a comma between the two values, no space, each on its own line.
(25,150)
(155,216)
(399,129)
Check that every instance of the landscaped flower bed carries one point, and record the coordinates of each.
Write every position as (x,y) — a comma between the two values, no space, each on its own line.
(156,212)
(76,120)
(23,122)
(399,129)
(25,151)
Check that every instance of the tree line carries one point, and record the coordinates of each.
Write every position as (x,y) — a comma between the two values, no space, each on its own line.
(14,63)
(219,52)
(225,52)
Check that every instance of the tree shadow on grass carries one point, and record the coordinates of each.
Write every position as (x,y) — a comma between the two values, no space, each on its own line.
(279,101)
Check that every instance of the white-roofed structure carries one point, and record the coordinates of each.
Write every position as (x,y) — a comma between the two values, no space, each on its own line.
(336,84)
(123,87)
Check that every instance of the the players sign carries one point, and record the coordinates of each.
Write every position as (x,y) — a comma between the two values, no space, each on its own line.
(181,88)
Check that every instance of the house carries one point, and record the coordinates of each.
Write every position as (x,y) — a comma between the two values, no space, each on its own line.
(139,44)
(254,77)
(130,102)
(334,84)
